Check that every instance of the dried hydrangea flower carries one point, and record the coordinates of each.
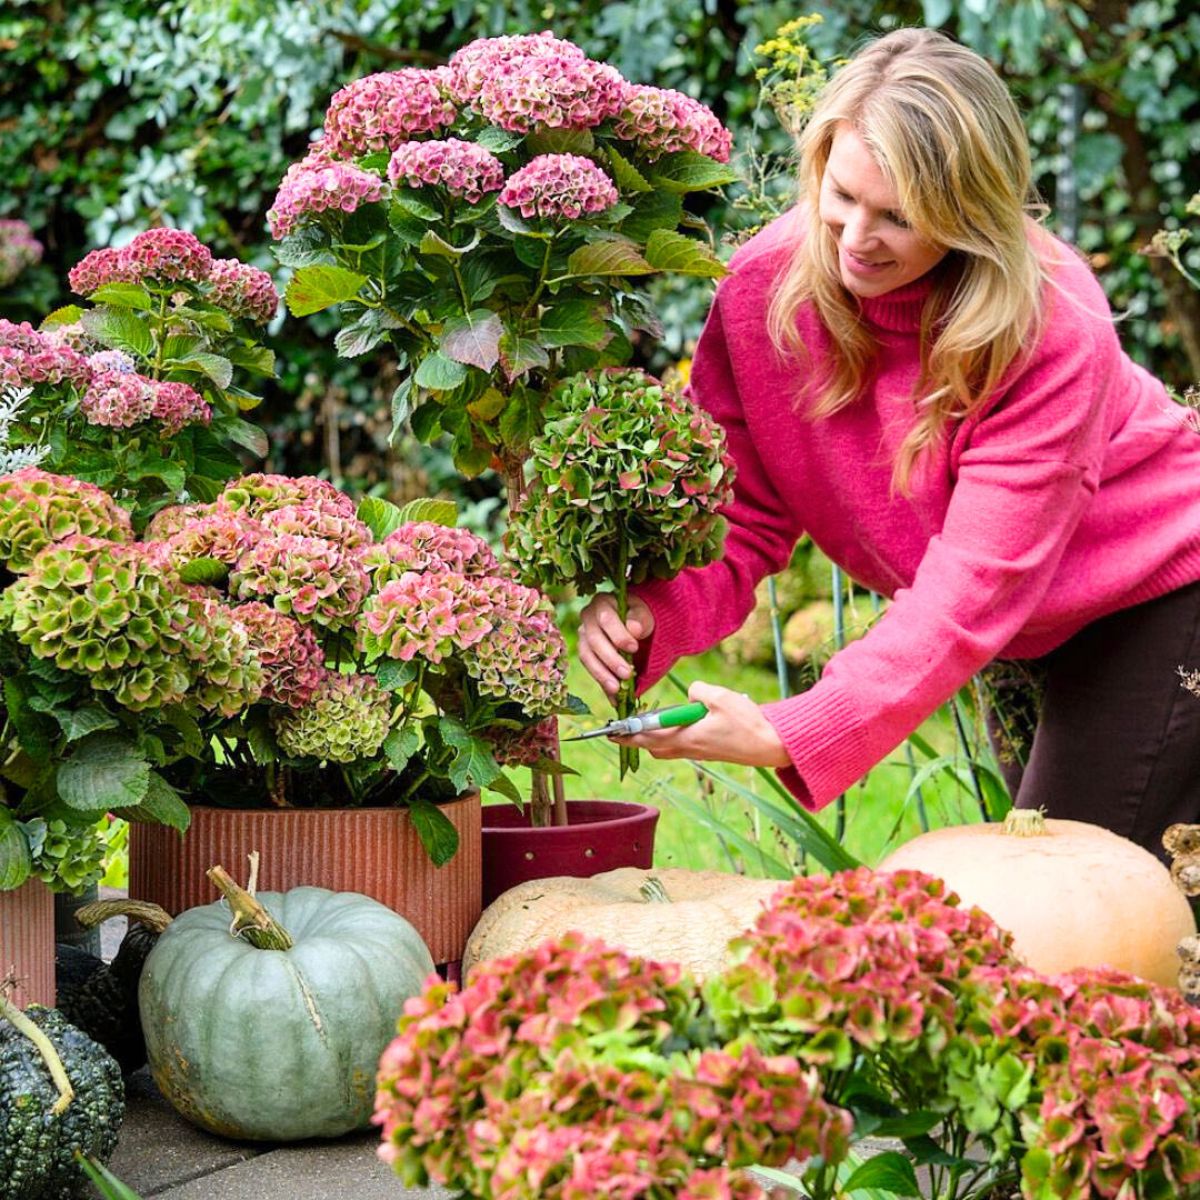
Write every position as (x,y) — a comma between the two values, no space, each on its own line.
(292,661)
(473,64)
(242,290)
(380,111)
(307,191)
(37,508)
(117,400)
(347,719)
(661,121)
(557,187)
(462,168)
(177,405)
(550,91)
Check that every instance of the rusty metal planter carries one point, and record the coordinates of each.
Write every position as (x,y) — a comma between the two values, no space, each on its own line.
(27,942)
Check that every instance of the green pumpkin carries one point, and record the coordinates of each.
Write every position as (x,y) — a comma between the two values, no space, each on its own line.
(271,1044)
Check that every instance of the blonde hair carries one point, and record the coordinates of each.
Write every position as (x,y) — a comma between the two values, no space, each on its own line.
(943,127)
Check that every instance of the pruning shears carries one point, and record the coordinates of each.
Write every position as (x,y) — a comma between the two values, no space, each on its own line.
(657,718)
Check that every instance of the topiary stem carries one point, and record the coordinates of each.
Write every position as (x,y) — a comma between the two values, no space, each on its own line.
(250,919)
(45,1047)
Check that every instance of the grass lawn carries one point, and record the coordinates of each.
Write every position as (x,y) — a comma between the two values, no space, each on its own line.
(694,810)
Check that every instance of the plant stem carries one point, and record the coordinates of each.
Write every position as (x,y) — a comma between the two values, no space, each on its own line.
(531,307)
(150,915)
(250,919)
(45,1047)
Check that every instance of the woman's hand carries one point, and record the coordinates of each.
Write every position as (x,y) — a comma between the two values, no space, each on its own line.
(734,731)
(603,637)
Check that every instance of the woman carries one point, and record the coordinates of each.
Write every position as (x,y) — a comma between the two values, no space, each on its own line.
(913,372)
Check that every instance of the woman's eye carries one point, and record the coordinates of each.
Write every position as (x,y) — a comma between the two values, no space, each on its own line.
(840,194)
(897,220)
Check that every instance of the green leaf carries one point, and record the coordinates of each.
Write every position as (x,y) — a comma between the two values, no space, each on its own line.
(573,323)
(436,831)
(628,177)
(408,228)
(258,360)
(204,570)
(250,437)
(67,315)
(401,744)
(380,516)
(654,210)
(890,1170)
(426,508)
(437,373)
(681,255)
(489,405)
(15,862)
(213,366)
(520,354)
(471,455)
(426,422)
(412,204)
(391,674)
(161,805)
(119,329)
(614,256)
(31,729)
(688,171)
(308,245)
(401,406)
(360,335)
(107,1184)
(434,243)
(473,338)
(545,140)
(506,788)
(497,140)
(320,286)
(521,421)
(173,474)
(79,722)
(106,771)
(123,295)
(473,765)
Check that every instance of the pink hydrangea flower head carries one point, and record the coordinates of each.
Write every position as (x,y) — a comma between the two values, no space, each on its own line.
(20,336)
(29,358)
(550,92)
(319,518)
(292,661)
(112,360)
(661,121)
(306,192)
(19,249)
(213,532)
(242,290)
(346,719)
(174,518)
(37,508)
(471,66)
(380,111)
(167,256)
(94,270)
(432,616)
(117,399)
(309,578)
(260,492)
(426,546)
(227,677)
(524,747)
(462,168)
(177,405)
(559,187)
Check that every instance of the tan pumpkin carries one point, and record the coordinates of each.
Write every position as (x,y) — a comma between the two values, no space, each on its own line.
(671,915)
(1071,894)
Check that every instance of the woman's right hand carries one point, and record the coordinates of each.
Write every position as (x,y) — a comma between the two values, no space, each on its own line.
(603,638)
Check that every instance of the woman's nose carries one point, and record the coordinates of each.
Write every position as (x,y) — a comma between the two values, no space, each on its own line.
(858,231)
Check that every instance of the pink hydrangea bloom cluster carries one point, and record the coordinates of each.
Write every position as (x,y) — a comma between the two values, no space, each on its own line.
(177,405)
(228,677)
(19,249)
(261,492)
(154,255)
(318,518)
(427,546)
(118,399)
(292,661)
(380,111)
(558,187)
(346,719)
(307,190)
(554,91)
(501,632)
(661,121)
(29,358)
(524,747)
(474,64)
(462,168)
(188,532)
(37,508)
(523,1085)
(242,290)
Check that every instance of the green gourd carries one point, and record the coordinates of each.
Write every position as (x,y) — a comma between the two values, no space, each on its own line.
(271,1028)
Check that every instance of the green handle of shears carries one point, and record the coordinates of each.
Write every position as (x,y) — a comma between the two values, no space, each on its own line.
(681,714)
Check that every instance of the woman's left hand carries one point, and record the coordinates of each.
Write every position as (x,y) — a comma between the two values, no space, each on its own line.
(734,731)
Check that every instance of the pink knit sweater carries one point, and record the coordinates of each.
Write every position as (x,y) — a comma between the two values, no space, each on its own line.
(1073,492)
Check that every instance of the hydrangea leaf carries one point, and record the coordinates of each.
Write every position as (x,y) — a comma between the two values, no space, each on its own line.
(119,329)
(614,256)
(688,171)
(122,295)
(628,177)
(400,744)
(161,805)
(306,246)
(215,367)
(436,831)
(654,210)
(573,323)
(520,355)
(105,772)
(437,373)
(473,338)
(15,863)
(204,570)
(380,516)
(426,508)
(320,286)
(77,723)
(68,314)
(682,255)
(890,1171)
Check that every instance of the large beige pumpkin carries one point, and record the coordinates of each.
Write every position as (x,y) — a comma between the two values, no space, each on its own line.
(672,915)
(1071,894)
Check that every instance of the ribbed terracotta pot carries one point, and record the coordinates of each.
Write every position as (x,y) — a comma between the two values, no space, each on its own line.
(375,851)
(27,942)
(600,835)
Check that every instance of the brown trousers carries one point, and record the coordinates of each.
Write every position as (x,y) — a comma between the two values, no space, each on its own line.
(1115,737)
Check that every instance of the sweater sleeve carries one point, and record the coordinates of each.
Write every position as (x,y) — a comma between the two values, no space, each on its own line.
(702,605)
(1026,474)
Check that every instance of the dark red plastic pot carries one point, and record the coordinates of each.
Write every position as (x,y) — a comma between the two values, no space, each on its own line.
(600,835)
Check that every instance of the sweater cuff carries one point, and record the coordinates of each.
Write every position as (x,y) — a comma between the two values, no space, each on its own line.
(825,741)
(658,653)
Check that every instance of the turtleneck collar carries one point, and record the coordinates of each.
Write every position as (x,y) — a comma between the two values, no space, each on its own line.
(899,311)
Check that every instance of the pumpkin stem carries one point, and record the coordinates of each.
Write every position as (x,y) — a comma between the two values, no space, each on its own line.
(1026,822)
(653,892)
(252,882)
(45,1047)
(150,915)
(250,919)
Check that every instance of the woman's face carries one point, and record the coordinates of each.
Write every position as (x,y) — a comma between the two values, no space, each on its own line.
(877,251)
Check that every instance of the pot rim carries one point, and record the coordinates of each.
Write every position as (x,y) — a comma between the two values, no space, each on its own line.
(636,813)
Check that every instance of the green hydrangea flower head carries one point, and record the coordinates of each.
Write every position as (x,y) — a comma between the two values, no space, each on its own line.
(37,508)
(347,719)
(228,674)
(108,612)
